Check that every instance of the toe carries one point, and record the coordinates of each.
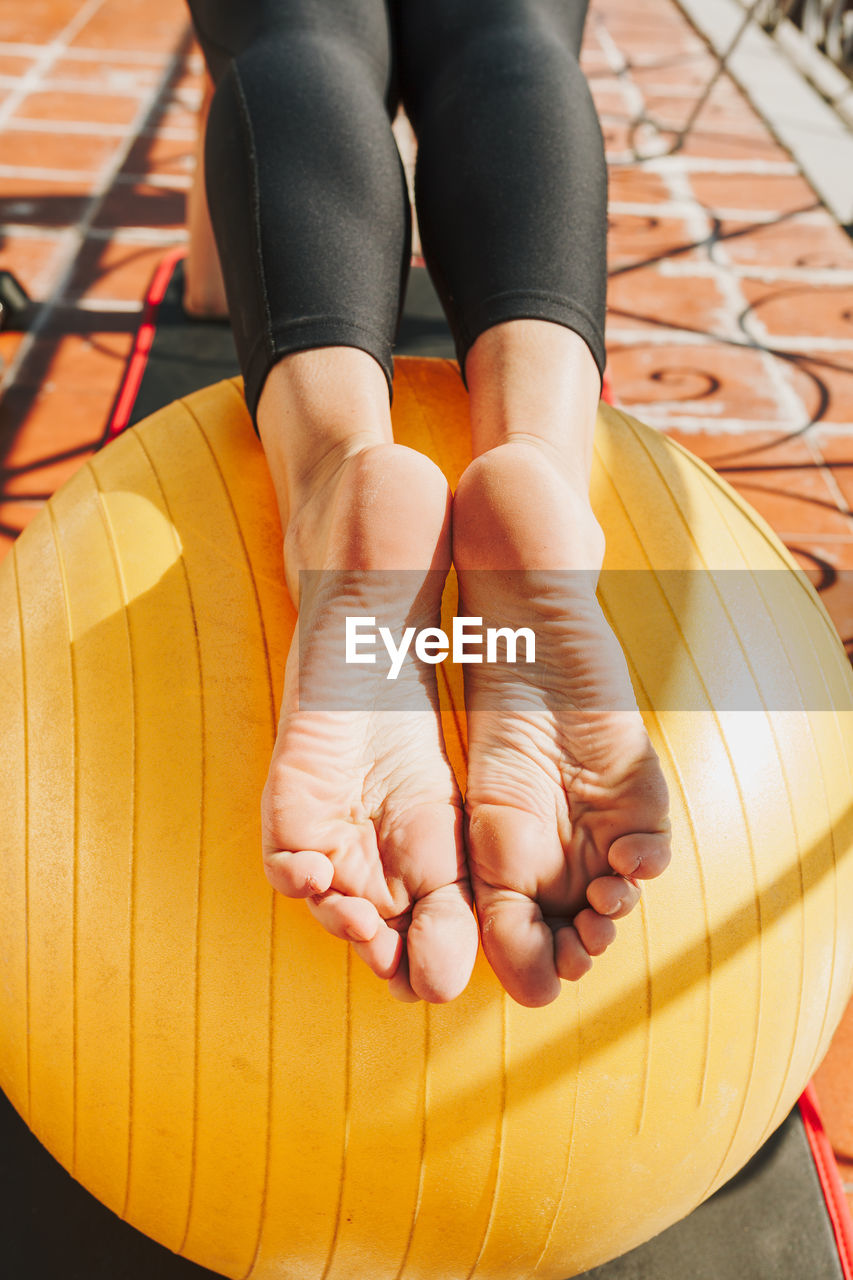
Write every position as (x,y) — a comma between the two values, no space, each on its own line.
(357,921)
(511,853)
(299,875)
(573,959)
(423,857)
(519,946)
(353,919)
(442,944)
(641,855)
(383,954)
(612,896)
(595,932)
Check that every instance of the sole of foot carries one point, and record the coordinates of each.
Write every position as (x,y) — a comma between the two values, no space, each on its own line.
(566,802)
(362,815)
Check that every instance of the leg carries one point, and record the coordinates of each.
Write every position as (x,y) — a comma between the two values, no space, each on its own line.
(204,288)
(511,186)
(361,814)
(306,192)
(566,802)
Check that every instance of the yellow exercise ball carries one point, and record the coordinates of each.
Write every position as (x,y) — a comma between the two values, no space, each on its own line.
(218,1070)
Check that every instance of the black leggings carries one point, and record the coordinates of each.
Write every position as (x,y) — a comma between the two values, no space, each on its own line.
(307,192)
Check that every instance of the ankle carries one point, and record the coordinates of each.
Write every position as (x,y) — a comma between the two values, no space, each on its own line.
(317,409)
(534,380)
(312,504)
(314,483)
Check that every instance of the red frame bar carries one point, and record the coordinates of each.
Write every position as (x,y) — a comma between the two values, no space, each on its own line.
(129,390)
(830,1179)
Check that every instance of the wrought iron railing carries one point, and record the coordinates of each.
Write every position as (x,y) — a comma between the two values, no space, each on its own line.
(827,24)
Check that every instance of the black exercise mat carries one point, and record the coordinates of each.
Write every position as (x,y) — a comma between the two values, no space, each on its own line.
(771,1222)
(52,1229)
(768,1223)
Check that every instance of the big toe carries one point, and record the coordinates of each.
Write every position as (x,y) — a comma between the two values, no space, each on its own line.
(423,843)
(640,855)
(512,855)
(519,946)
(442,944)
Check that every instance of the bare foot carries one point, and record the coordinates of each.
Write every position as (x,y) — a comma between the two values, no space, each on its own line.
(361,812)
(566,802)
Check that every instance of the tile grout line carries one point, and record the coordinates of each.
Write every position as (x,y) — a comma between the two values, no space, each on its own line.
(82,53)
(154,236)
(119,306)
(825,469)
(31,173)
(186,96)
(22,173)
(171,133)
(85,88)
(818,217)
(720,165)
(668,335)
(93,128)
(69,87)
(706,164)
(139,235)
(655,414)
(673,269)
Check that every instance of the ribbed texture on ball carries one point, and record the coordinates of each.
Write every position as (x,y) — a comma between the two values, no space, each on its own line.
(211,1065)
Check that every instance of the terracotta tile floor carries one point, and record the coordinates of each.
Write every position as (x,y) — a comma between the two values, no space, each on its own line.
(731,289)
